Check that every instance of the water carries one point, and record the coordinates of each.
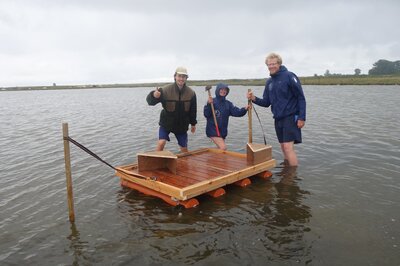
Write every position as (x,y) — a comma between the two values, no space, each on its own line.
(342,209)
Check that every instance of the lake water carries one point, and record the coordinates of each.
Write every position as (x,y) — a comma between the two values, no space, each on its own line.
(343,208)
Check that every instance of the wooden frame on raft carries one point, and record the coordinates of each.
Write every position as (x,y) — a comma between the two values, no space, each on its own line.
(157,160)
(257,153)
(197,172)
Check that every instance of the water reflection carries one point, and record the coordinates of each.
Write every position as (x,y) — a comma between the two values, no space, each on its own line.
(266,221)
(78,247)
(287,218)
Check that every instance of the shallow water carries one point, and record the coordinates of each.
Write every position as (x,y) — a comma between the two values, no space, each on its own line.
(341,209)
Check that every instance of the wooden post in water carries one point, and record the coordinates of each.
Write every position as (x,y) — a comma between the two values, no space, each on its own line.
(67,159)
(250,121)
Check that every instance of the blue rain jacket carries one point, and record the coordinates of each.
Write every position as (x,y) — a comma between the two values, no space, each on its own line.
(223,109)
(283,92)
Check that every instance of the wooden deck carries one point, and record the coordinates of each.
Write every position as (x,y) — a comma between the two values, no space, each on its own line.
(197,172)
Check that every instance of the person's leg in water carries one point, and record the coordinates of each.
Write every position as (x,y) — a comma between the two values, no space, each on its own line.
(161,144)
(182,141)
(220,142)
(163,137)
(288,134)
(289,153)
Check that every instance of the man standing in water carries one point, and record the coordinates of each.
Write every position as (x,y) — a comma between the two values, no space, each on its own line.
(283,92)
(179,110)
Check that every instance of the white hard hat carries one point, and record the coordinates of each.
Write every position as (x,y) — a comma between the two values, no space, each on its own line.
(181,70)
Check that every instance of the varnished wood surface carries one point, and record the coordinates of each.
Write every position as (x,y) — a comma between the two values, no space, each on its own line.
(197,168)
(197,172)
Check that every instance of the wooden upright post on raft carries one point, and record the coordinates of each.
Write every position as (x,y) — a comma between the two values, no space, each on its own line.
(67,159)
(256,153)
(250,120)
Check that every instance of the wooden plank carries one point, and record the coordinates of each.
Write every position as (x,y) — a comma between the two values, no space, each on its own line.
(158,154)
(169,178)
(198,166)
(257,153)
(150,163)
(185,178)
(231,153)
(157,160)
(220,162)
(193,175)
(214,156)
(205,186)
(242,169)
(155,185)
(128,172)
(190,153)
(209,185)
(68,173)
(203,170)
(182,180)
(257,147)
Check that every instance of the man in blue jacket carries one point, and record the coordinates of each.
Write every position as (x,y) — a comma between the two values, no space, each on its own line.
(283,92)
(223,109)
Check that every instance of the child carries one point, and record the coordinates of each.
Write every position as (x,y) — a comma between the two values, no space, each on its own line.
(223,109)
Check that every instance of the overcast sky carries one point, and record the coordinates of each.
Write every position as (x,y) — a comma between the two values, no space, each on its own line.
(128,41)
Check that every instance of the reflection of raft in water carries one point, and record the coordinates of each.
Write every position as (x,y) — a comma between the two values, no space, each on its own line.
(177,179)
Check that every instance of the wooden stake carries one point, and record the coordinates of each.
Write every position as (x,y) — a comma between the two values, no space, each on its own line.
(67,159)
(250,121)
(208,88)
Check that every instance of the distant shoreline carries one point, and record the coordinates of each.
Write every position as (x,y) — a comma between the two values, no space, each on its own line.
(315,80)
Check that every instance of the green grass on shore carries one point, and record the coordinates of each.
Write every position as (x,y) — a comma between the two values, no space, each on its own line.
(318,80)
(352,80)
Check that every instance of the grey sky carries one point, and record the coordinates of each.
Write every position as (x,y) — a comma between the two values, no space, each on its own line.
(99,41)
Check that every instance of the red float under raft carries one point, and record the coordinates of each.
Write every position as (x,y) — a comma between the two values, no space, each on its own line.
(178,179)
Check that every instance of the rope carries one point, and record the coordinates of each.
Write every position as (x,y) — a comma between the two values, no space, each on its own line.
(265,141)
(88,151)
(101,160)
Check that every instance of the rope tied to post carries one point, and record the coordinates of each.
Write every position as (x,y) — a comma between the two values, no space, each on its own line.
(265,141)
(88,151)
(85,149)
(67,139)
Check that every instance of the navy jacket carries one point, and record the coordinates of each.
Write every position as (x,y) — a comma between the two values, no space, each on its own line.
(223,109)
(283,92)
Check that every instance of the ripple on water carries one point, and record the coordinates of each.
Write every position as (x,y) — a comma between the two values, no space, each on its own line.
(349,173)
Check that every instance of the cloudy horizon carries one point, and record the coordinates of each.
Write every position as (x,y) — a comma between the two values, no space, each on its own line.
(102,42)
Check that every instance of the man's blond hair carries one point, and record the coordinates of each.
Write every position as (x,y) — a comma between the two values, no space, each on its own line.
(273,56)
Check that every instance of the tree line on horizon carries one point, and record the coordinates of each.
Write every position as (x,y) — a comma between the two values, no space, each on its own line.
(380,67)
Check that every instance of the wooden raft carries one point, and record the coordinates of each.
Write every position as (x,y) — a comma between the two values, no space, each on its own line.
(177,179)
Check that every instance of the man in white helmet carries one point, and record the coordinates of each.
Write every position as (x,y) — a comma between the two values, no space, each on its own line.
(179,110)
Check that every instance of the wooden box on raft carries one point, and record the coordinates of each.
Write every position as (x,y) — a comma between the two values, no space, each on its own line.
(257,153)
